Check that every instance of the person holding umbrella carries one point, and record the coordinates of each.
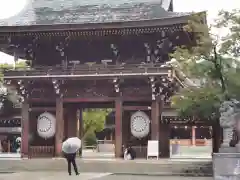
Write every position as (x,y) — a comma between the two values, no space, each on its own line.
(70,148)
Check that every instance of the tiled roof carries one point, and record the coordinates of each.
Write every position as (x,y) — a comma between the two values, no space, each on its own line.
(90,11)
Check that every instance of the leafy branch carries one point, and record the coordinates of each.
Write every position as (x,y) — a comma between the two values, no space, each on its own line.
(210,61)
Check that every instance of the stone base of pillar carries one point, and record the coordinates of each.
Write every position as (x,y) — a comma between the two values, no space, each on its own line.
(227,149)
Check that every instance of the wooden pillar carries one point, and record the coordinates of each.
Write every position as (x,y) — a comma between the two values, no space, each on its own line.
(59,126)
(155,120)
(193,135)
(118,128)
(72,122)
(25,129)
(125,128)
(80,128)
(216,137)
(159,131)
(164,140)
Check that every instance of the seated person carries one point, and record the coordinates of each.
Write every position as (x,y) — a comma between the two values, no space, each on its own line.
(129,153)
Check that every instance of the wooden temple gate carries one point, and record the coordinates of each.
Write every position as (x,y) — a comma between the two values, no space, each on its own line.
(104,65)
(115,93)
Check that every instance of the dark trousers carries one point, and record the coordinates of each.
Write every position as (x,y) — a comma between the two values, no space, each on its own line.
(71,160)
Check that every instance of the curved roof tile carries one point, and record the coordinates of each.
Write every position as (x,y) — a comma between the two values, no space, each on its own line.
(90,11)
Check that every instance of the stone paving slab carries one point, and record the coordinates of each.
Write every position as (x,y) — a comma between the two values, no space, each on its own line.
(50,176)
(134,177)
(89,176)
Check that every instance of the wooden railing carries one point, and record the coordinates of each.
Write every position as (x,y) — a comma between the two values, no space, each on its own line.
(41,151)
(85,69)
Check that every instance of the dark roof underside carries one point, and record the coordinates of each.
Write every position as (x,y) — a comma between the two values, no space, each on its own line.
(91,11)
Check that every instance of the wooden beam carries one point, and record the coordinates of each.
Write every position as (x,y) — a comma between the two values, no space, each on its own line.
(104,99)
(42,109)
(136,108)
(42,100)
(136,99)
(90,99)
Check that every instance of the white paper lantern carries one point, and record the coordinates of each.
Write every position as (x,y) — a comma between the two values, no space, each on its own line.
(140,124)
(46,125)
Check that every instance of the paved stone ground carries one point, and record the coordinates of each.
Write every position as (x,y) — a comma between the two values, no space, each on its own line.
(88,176)
(101,166)
(51,176)
(129,177)
(183,152)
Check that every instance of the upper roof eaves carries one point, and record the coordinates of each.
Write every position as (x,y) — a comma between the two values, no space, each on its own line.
(56,12)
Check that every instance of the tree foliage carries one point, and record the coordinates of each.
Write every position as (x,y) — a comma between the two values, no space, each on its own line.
(200,103)
(231,42)
(8,97)
(94,120)
(212,61)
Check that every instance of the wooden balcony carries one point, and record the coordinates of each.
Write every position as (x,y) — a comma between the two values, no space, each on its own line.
(90,71)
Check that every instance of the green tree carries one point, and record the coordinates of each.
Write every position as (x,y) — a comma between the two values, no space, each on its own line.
(94,120)
(90,139)
(201,103)
(210,62)
(231,42)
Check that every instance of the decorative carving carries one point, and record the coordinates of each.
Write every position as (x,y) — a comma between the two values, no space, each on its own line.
(116,53)
(61,48)
(57,86)
(158,52)
(30,48)
(12,44)
(46,125)
(140,124)
(163,87)
(116,85)
(23,89)
(8,82)
(153,87)
(157,55)
(132,91)
(167,89)
(148,51)
(42,93)
(89,92)
(162,49)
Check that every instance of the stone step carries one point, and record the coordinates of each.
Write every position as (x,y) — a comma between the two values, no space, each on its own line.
(200,170)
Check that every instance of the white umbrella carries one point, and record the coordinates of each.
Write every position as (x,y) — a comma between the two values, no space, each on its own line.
(71,145)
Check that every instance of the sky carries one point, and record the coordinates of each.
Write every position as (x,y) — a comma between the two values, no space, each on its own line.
(211,6)
(10,8)
(7,9)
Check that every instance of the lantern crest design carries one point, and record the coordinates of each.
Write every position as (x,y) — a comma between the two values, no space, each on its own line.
(140,124)
(46,125)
